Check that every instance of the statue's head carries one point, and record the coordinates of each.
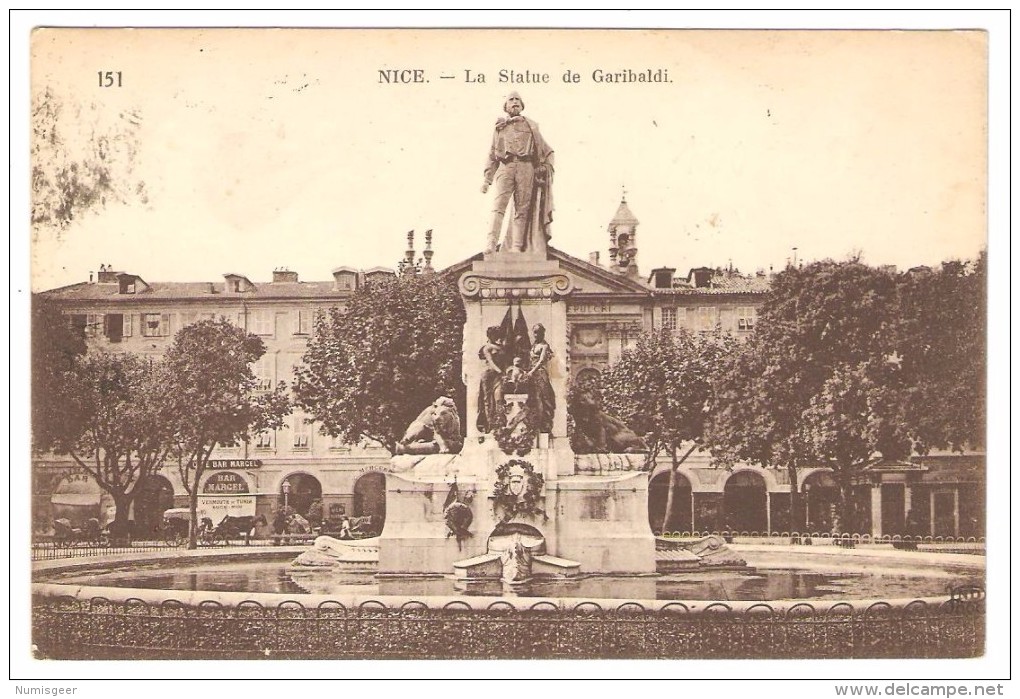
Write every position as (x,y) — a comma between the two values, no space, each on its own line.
(492,332)
(513,105)
(539,331)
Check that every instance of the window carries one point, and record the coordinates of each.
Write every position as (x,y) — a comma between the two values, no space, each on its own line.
(706,318)
(746,317)
(155,324)
(265,440)
(681,318)
(265,371)
(727,319)
(263,322)
(302,433)
(303,322)
(79,321)
(116,326)
(86,324)
(669,318)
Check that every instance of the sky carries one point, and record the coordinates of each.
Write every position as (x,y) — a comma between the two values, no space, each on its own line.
(266,148)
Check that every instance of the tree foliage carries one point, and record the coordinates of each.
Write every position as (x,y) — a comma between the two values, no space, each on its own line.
(369,372)
(661,388)
(80,159)
(942,349)
(113,422)
(849,363)
(213,402)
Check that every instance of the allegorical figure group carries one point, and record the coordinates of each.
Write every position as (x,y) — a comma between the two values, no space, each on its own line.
(503,373)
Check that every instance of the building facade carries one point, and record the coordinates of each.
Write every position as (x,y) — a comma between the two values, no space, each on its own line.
(611,305)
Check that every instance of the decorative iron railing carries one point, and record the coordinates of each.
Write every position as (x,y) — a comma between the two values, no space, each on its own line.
(65,627)
(43,550)
(825,537)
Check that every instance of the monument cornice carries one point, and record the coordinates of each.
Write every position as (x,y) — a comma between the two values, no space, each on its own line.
(515,276)
(525,286)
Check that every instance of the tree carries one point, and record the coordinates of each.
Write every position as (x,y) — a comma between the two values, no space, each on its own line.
(369,372)
(661,389)
(113,423)
(942,353)
(80,159)
(213,402)
(55,346)
(816,384)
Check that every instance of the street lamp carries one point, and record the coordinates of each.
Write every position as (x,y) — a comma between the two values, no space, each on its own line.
(807,506)
(286,492)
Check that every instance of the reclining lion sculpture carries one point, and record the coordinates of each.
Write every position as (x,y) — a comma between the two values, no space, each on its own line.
(436,430)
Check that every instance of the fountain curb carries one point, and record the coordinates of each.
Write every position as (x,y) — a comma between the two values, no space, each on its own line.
(461,603)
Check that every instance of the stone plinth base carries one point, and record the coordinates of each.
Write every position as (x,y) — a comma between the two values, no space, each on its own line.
(598,523)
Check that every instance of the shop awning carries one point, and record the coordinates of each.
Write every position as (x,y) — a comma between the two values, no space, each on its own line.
(76,499)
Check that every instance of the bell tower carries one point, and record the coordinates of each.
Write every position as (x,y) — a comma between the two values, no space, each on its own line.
(623,240)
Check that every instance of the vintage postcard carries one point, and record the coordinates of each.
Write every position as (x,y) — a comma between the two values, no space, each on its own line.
(499,344)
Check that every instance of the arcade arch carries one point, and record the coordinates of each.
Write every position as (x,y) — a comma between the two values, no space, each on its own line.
(155,496)
(820,495)
(658,496)
(299,491)
(745,503)
(370,498)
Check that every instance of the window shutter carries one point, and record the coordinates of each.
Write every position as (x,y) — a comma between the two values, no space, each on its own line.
(165,324)
(127,324)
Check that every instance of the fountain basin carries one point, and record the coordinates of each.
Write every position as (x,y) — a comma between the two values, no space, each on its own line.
(590,617)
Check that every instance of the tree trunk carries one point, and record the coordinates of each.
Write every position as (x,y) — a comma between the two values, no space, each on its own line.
(798,518)
(843,519)
(670,515)
(671,493)
(120,531)
(193,505)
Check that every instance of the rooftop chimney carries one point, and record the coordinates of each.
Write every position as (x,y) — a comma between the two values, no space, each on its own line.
(593,258)
(107,275)
(427,253)
(284,275)
(409,255)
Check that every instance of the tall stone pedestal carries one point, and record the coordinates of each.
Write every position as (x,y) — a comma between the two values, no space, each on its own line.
(600,522)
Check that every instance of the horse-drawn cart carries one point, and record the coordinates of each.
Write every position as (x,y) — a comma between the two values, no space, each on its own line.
(176,523)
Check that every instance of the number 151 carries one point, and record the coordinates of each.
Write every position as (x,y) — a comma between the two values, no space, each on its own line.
(109,78)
